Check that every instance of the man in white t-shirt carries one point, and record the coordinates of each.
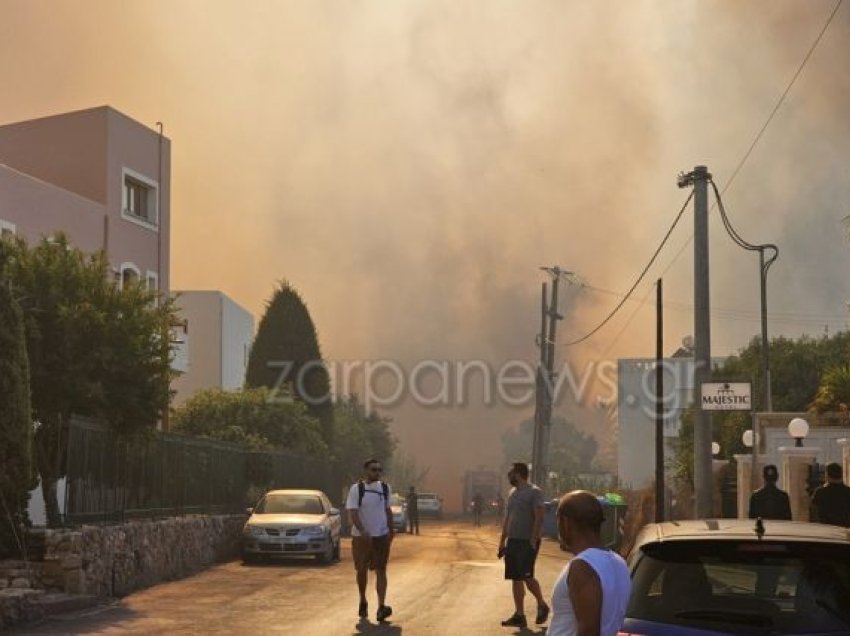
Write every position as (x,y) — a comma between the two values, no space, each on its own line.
(591,594)
(371,517)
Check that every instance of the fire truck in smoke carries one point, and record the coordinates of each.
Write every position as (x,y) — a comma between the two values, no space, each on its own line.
(486,483)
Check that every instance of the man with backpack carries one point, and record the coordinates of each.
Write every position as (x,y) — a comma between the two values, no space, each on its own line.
(371,516)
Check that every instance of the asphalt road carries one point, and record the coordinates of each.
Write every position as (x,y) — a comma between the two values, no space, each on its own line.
(445,581)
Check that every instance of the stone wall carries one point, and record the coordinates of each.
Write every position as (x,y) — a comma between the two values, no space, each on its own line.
(118,559)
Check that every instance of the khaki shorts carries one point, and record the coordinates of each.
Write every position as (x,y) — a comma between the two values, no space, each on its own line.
(370,553)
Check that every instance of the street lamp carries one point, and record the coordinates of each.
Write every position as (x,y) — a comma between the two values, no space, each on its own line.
(798,428)
(747,438)
(715,448)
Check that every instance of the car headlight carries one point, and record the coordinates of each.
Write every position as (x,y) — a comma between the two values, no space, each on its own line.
(314,531)
(254,531)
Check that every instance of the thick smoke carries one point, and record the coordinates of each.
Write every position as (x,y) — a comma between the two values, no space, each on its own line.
(410,165)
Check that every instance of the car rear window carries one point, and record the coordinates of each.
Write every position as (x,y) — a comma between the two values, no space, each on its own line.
(290,504)
(745,587)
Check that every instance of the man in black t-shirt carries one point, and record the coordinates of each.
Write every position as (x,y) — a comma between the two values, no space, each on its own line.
(831,502)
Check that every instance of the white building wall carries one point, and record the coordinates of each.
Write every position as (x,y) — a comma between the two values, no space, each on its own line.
(636,413)
(237,335)
(219,335)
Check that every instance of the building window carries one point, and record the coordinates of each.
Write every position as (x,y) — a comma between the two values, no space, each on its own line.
(6,228)
(129,274)
(139,199)
(152,280)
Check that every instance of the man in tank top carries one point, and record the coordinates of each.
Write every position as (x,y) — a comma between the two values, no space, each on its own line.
(591,594)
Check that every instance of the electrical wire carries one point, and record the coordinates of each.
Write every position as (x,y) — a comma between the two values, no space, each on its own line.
(767,122)
(639,278)
(731,314)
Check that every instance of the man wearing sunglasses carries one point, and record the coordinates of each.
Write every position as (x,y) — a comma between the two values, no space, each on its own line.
(371,517)
(520,542)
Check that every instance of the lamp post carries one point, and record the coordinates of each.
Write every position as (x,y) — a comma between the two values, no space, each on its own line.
(798,428)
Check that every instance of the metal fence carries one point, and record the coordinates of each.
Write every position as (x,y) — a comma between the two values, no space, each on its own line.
(110,478)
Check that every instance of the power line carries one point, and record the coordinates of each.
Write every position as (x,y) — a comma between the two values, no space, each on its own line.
(728,184)
(731,314)
(767,122)
(639,278)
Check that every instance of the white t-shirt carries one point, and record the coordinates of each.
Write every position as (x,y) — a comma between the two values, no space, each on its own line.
(616,584)
(373,510)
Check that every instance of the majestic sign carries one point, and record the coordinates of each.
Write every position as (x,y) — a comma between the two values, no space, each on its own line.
(727,396)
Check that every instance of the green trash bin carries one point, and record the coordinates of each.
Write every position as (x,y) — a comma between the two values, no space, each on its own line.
(614,507)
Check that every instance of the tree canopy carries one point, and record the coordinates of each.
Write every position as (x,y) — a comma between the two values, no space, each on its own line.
(16,473)
(252,419)
(286,356)
(359,435)
(94,349)
(570,451)
(806,373)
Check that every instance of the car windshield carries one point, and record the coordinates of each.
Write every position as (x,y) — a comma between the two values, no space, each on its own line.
(290,504)
(748,587)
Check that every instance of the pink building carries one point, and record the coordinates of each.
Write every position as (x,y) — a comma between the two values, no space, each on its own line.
(100,177)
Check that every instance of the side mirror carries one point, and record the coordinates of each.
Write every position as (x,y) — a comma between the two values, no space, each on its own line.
(249,511)
(333,512)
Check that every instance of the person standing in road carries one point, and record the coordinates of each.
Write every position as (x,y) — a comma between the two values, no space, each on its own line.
(368,506)
(520,542)
(477,505)
(592,592)
(831,502)
(769,502)
(413,510)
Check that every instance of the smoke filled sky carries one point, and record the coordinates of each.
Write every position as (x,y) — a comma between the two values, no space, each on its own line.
(409,165)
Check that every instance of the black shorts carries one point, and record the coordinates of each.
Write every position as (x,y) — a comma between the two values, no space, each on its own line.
(520,556)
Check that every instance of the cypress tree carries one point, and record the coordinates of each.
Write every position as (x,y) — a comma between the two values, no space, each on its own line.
(286,356)
(16,426)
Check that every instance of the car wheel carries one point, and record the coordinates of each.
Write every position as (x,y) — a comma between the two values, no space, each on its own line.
(338,551)
(248,558)
(328,555)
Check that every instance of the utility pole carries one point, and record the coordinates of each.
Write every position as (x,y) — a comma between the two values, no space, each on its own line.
(548,330)
(542,382)
(549,389)
(765,344)
(659,404)
(703,488)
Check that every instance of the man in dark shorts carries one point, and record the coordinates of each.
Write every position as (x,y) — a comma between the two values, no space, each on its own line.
(520,542)
(368,506)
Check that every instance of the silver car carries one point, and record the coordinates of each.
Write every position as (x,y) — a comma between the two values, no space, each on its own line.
(399,510)
(292,523)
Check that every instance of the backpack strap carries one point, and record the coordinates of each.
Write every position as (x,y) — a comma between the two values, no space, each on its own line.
(361,490)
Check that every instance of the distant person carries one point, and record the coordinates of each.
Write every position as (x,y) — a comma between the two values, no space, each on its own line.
(477,505)
(413,511)
(769,502)
(368,506)
(520,542)
(592,592)
(831,502)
